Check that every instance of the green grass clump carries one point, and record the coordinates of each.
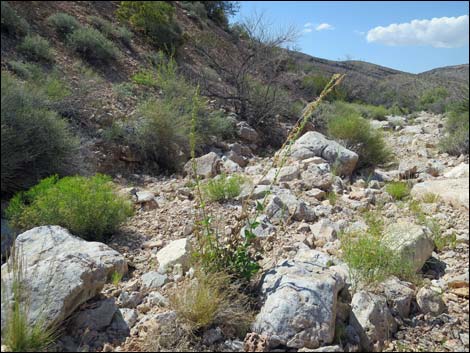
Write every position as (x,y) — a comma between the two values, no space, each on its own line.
(223,187)
(369,260)
(36,48)
(93,45)
(12,23)
(63,23)
(398,190)
(36,142)
(25,71)
(211,299)
(88,207)
(116,278)
(18,334)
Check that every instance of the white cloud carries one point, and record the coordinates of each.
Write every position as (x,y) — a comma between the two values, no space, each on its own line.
(308,24)
(443,32)
(307,30)
(324,26)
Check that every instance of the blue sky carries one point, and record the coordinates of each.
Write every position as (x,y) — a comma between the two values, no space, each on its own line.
(405,35)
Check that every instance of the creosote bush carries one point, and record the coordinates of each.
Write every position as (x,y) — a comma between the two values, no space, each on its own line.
(35,141)
(88,207)
(63,23)
(93,45)
(36,48)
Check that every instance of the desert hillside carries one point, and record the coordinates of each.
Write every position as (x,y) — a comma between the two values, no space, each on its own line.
(174,181)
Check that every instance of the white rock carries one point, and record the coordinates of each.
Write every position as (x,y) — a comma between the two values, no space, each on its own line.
(372,319)
(62,271)
(207,166)
(453,191)
(430,301)
(178,251)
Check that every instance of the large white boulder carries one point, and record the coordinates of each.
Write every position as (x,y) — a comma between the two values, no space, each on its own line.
(300,303)
(314,144)
(177,252)
(207,166)
(61,272)
(453,191)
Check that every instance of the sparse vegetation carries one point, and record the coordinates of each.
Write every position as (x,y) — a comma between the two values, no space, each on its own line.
(12,23)
(434,99)
(369,260)
(116,278)
(92,45)
(19,335)
(223,187)
(63,23)
(36,48)
(88,207)
(36,142)
(398,190)
(456,139)
(211,299)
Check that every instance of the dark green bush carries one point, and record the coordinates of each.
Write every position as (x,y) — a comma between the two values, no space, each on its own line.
(153,18)
(36,48)
(313,85)
(219,11)
(92,45)
(26,71)
(88,207)
(63,23)
(35,141)
(11,22)
(434,100)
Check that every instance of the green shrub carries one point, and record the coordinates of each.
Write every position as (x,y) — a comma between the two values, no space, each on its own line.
(104,26)
(154,19)
(63,23)
(26,71)
(373,112)
(223,187)
(88,207)
(92,45)
(124,35)
(36,48)
(356,134)
(11,22)
(433,96)
(456,139)
(398,190)
(160,137)
(35,141)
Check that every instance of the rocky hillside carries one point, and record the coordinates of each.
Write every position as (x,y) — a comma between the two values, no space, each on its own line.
(226,224)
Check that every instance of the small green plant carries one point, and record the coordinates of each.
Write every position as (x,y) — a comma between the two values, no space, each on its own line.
(442,241)
(18,334)
(63,23)
(25,71)
(116,278)
(36,48)
(430,198)
(88,207)
(12,23)
(370,261)
(92,45)
(398,190)
(212,299)
(332,197)
(223,187)
(145,78)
